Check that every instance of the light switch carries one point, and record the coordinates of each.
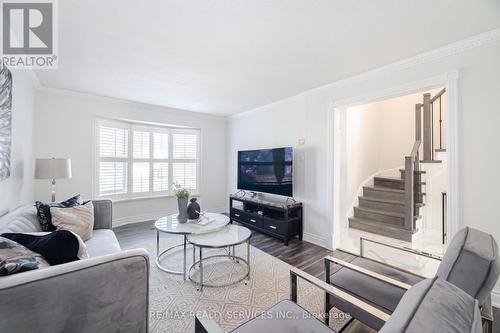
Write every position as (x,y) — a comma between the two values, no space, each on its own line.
(301,141)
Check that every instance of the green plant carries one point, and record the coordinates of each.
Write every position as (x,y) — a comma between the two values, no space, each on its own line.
(181,192)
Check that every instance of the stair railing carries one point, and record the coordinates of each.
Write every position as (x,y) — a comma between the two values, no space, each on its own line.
(428,139)
(411,165)
(437,99)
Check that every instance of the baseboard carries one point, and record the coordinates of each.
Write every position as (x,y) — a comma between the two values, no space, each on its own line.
(138,218)
(155,216)
(318,240)
(495,298)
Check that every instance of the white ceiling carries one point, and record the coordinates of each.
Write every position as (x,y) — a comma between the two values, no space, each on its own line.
(228,56)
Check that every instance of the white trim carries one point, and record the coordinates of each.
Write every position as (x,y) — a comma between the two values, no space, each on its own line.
(130,160)
(317,240)
(450,81)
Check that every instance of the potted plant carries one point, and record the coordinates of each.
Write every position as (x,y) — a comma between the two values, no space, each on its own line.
(182,195)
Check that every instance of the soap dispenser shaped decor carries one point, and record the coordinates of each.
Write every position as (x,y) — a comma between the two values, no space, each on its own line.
(193,210)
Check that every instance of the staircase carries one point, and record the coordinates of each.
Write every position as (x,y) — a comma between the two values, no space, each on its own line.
(392,206)
(381,208)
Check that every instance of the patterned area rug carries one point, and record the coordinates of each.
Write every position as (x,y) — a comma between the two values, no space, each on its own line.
(174,302)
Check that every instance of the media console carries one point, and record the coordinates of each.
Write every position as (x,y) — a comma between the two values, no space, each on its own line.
(279,220)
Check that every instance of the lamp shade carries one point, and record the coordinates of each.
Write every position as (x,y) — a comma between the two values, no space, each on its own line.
(52,168)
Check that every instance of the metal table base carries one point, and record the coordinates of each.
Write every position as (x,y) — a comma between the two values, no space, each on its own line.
(230,255)
(166,251)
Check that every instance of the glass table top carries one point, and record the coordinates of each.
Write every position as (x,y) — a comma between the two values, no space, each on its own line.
(230,235)
(169,224)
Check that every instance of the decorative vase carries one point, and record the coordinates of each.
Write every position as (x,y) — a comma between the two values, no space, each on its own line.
(182,205)
(193,210)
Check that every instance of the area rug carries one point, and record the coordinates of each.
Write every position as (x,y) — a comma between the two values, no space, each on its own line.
(174,302)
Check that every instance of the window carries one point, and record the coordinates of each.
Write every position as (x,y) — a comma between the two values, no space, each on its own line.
(135,161)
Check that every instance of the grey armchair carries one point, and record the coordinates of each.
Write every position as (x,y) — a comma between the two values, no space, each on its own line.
(471,263)
(455,311)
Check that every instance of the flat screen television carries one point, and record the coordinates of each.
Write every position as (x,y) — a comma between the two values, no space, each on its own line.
(266,170)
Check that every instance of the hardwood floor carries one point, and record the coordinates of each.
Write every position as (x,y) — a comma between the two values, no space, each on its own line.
(301,254)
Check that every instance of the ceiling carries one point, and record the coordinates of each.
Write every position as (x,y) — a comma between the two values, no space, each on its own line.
(227,56)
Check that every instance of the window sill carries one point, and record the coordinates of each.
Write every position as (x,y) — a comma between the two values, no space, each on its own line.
(146,198)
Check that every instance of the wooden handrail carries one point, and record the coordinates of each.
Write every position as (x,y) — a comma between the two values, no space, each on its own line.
(439,94)
(416,147)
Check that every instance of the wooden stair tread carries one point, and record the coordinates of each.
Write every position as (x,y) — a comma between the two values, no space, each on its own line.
(431,161)
(440,150)
(378,223)
(395,180)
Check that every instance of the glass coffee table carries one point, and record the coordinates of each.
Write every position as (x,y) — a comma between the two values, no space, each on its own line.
(227,237)
(170,225)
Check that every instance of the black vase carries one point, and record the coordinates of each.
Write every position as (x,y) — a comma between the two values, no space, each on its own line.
(193,209)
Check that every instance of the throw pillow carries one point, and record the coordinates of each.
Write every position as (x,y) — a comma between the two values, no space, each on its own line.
(82,248)
(57,247)
(43,211)
(79,219)
(15,258)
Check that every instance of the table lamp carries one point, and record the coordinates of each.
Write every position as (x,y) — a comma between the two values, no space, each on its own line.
(53,168)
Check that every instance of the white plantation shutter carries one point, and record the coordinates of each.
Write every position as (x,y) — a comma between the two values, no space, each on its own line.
(140,161)
(184,174)
(160,177)
(112,178)
(184,159)
(184,146)
(112,166)
(160,145)
(141,144)
(140,177)
(113,142)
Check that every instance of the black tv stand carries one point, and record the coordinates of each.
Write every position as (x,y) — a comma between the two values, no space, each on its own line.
(279,220)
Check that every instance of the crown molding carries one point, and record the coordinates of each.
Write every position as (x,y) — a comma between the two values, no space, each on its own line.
(115,100)
(445,51)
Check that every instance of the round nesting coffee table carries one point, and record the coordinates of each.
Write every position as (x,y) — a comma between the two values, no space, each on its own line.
(170,225)
(230,236)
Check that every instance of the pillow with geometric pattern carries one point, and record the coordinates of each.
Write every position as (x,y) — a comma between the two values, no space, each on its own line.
(43,211)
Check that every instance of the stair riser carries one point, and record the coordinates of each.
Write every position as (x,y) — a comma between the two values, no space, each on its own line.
(395,185)
(417,176)
(381,230)
(386,207)
(369,192)
(393,220)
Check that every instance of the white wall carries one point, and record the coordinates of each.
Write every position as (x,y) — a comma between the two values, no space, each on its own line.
(64,128)
(478,117)
(18,189)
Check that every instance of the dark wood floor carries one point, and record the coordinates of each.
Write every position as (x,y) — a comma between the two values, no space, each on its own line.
(301,254)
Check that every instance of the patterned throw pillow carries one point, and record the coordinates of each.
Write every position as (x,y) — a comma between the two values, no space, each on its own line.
(15,258)
(78,219)
(43,211)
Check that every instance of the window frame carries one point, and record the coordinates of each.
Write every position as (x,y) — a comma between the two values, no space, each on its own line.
(130,159)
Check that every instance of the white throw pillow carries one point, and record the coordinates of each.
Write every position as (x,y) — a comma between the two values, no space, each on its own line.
(77,219)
